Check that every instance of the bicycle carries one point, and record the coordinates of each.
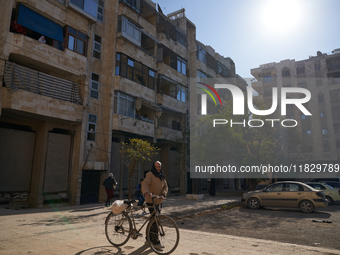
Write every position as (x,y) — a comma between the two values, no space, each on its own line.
(120,227)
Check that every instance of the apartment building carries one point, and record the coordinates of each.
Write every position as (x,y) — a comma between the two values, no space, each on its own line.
(212,68)
(319,74)
(105,71)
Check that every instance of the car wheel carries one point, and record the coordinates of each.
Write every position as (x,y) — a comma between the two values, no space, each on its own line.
(253,203)
(306,206)
(330,200)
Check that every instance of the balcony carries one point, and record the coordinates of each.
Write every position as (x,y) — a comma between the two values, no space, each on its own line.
(175,46)
(169,134)
(67,64)
(138,19)
(38,93)
(132,125)
(168,71)
(138,53)
(133,88)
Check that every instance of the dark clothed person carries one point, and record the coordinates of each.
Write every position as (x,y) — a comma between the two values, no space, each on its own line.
(110,186)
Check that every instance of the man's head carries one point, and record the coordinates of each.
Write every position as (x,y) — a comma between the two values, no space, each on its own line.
(158,166)
(110,174)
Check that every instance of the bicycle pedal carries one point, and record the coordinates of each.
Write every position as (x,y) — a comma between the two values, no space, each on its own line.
(139,234)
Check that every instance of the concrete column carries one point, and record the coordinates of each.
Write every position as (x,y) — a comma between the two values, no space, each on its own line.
(183,176)
(36,197)
(76,165)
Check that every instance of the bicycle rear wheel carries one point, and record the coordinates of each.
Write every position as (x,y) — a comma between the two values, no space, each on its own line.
(167,231)
(118,228)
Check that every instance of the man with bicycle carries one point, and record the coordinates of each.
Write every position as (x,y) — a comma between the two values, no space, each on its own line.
(155,184)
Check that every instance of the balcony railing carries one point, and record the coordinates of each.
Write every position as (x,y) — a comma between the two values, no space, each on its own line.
(20,77)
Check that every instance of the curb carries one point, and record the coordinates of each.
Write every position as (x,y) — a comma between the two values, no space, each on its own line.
(192,211)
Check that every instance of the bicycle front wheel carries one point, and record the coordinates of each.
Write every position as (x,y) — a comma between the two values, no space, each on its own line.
(162,234)
(118,228)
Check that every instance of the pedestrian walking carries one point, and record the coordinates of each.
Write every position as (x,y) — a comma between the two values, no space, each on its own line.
(212,188)
(110,187)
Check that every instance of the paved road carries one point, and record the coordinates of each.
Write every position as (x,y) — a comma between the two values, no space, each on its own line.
(318,229)
(57,233)
(80,230)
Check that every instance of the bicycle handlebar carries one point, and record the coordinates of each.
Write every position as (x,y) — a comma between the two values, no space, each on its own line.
(155,196)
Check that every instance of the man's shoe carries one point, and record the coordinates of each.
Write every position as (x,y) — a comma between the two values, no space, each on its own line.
(146,243)
(158,246)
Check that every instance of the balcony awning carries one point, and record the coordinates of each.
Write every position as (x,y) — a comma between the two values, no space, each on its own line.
(142,101)
(38,23)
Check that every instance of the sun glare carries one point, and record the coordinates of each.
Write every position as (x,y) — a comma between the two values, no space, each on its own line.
(281,17)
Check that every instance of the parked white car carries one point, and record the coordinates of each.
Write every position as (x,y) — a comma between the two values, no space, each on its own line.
(331,194)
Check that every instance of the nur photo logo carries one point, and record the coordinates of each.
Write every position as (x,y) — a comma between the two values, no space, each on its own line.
(238,103)
(204,97)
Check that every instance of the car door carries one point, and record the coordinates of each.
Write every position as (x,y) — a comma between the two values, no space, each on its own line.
(272,196)
(292,195)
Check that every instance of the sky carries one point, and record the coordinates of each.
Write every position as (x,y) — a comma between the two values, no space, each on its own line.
(256,32)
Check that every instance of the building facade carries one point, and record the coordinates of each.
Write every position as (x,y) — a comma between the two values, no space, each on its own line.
(319,74)
(105,71)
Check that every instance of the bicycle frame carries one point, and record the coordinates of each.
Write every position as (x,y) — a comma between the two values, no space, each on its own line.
(129,211)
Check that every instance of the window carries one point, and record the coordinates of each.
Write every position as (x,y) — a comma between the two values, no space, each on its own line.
(94,86)
(275,188)
(202,77)
(317,66)
(76,41)
(90,6)
(91,127)
(135,71)
(173,89)
(302,85)
(129,30)
(201,54)
(222,70)
(97,46)
(181,38)
(100,10)
(324,131)
(304,117)
(322,114)
(307,132)
(124,104)
(181,66)
(181,93)
(134,4)
(178,64)
(285,72)
(291,187)
(335,66)
(321,98)
(300,70)
(267,78)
